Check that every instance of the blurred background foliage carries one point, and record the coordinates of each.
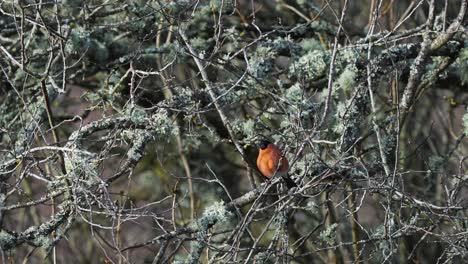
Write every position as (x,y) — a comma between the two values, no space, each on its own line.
(147,148)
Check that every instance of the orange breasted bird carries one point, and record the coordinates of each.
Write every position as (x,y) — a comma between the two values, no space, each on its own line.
(268,161)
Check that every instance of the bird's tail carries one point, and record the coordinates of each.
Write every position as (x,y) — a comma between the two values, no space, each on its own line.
(289,182)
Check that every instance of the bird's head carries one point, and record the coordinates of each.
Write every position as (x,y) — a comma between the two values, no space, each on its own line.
(264,144)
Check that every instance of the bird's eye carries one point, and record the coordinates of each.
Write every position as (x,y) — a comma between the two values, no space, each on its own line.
(263,145)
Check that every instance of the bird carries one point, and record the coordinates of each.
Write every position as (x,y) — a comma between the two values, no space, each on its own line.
(268,160)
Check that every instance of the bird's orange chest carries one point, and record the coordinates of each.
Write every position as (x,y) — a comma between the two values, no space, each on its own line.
(267,162)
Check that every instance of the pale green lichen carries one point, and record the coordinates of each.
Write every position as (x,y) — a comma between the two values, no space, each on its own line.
(214,214)
(295,93)
(347,79)
(300,105)
(262,60)
(81,42)
(262,63)
(163,125)
(284,45)
(244,128)
(277,138)
(328,235)
(389,144)
(301,2)
(279,222)
(262,257)
(337,124)
(312,207)
(312,66)
(347,57)
(285,123)
(268,114)
(140,138)
(78,41)
(232,39)
(137,114)
(42,241)
(249,128)
(311,44)
(386,248)
(82,169)
(6,239)
(200,45)
(175,52)
(184,99)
